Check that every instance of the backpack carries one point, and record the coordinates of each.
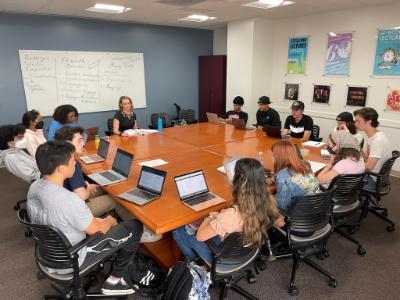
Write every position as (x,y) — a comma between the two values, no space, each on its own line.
(186,281)
(145,274)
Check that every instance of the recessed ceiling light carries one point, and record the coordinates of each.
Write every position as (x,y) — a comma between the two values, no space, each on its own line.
(197,18)
(108,8)
(332,34)
(266,4)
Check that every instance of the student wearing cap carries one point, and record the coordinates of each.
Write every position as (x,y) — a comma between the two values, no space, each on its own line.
(237,112)
(267,115)
(344,121)
(299,124)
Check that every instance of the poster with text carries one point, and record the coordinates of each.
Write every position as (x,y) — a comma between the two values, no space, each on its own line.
(393,99)
(291,91)
(356,96)
(297,55)
(321,93)
(337,59)
(387,55)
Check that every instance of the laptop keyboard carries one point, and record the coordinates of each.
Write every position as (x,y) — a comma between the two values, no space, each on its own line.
(110,176)
(141,194)
(199,199)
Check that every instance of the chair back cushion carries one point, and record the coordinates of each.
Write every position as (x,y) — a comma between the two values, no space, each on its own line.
(347,188)
(384,173)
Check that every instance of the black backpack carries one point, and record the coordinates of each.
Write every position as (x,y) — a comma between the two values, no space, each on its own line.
(178,283)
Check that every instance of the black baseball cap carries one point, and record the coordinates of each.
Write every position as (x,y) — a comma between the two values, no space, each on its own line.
(296,105)
(345,117)
(238,100)
(264,100)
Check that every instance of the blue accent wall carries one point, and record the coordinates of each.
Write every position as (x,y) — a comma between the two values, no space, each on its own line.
(170,59)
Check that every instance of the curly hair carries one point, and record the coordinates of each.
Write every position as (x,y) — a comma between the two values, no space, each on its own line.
(67,133)
(345,153)
(61,113)
(250,194)
(8,133)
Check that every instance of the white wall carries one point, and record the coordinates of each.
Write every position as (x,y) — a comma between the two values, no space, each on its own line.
(219,41)
(364,22)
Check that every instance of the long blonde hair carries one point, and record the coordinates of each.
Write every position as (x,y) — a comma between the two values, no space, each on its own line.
(250,194)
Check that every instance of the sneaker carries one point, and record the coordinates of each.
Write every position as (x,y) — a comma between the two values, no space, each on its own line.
(149,236)
(118,288)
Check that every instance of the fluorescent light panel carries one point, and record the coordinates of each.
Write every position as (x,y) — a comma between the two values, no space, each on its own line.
(197,18)
(108,8)
(267,4)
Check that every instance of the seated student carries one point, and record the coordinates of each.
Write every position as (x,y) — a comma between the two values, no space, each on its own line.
(251,213)
(125,118)
(348,160)
(64,115)
(237,112)
(49,203)
(14,155)
(344,121)
(32,120)
(267,115)
(99,205)
(379,146)
(293,177)
(299,124)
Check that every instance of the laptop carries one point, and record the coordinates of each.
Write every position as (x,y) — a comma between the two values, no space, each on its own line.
(193,191)
(213,118)
(240,124)
(91,133)
(149,186)
(119,171)
(101,154)
(274,132)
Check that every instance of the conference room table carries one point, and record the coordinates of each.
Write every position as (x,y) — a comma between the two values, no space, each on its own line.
(186,149)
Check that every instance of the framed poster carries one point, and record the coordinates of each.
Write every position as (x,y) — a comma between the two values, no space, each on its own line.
(393,99)
(297,55)
(356,96)
(337,60)
(321,93)
(291,91)
(387,55)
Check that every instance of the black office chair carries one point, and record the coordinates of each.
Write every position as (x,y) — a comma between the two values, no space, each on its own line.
(308,226)
(374,195)
(346,201)
(54,251)
(238,263)
(315,134)
(166,119)
(110,127)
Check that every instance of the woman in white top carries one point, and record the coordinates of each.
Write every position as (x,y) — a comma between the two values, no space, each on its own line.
(32,120)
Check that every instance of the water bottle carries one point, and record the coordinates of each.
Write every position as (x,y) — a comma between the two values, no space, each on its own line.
(159,124)
(96,141)
(261,158)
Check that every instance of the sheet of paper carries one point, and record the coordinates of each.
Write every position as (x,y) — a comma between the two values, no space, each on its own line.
(316,166)
(221,169)
(153,163)
(313,144)
(132,132)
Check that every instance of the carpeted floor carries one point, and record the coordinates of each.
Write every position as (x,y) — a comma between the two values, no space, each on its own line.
(373,276)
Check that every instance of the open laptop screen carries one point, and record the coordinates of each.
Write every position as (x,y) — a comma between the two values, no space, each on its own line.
(122,162)
(103,148)
(151,179)
(191,184)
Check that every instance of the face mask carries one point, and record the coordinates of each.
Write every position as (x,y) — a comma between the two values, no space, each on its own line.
(21,144)
(39,125)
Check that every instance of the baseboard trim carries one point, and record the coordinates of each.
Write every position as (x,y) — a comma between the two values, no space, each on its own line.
(395,173)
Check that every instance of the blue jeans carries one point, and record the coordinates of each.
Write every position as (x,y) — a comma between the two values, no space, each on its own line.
(193,248)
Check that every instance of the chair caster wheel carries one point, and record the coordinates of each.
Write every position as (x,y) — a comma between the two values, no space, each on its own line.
(384,213)
(361,251)
(251,278)
(293,291)
(390,228)
(323,255)
(16,207)
(40,275)
(28,233)
(261,265)
(333,283)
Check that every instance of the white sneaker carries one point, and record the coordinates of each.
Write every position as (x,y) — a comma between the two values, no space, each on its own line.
(149,236)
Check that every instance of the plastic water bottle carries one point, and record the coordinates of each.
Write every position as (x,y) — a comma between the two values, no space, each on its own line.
(261,158)
(96,141)
(160,124)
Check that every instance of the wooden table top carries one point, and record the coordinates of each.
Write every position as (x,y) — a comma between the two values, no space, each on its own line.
(182,148)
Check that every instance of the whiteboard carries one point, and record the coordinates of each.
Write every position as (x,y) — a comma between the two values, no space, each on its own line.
(91,81)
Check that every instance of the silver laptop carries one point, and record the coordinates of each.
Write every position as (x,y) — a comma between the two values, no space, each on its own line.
(193,191)
(149,186)
(119,171)
(101,154)
(213,118)
(240,124)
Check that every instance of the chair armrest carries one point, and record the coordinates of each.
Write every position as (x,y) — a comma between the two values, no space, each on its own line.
(377,175)
(284,213)
(73,250)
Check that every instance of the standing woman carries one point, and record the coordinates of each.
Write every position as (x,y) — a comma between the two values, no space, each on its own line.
(125,118)
(32,120)
(64,115)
